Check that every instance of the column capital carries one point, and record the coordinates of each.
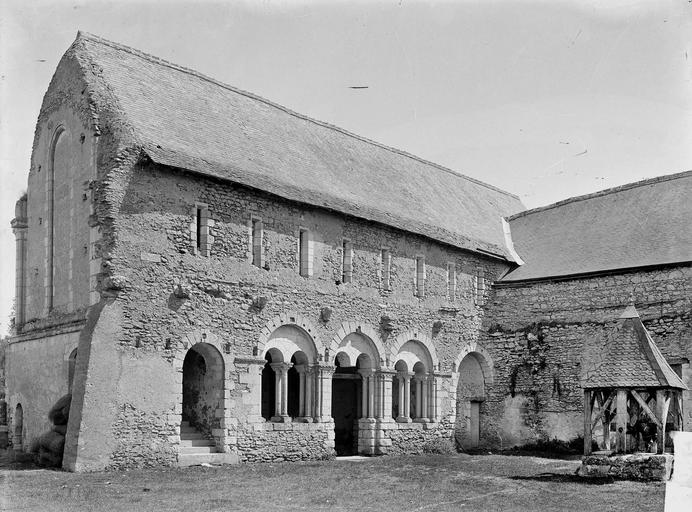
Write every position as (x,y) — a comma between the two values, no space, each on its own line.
(366,372)
(281,367)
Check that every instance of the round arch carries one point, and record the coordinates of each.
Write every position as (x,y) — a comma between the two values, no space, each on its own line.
(297,322)
(482,357)
(421,340)
(354,340)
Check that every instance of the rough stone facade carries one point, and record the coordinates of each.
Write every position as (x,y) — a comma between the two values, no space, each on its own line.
(543,337)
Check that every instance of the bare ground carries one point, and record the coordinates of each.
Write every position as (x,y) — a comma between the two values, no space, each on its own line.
(429,482)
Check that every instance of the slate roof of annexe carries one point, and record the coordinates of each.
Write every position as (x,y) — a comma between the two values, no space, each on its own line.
(636,225)
(183,119)
(632,359)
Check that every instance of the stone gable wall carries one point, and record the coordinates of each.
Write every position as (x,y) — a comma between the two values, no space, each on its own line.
(543,336)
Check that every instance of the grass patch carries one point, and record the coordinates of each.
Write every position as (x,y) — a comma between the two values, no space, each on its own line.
(426,482)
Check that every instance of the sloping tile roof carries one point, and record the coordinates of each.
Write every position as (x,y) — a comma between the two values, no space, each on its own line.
(186,120)
(640,224)
(632,359)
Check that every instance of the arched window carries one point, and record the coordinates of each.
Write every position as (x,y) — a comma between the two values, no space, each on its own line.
(18,438)
(290,354)
(71,365)
(413,390)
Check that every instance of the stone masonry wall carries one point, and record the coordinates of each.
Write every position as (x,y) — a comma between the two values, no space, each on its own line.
(544,335)
(149,253)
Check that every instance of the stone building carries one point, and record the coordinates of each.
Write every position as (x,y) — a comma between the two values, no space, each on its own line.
(584,260)
(217,278)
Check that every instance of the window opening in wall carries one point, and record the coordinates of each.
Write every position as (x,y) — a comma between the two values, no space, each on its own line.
(18,438)
(480,288)
(199,229)
(305,253)
(256,243)
(451,281)
(385,263)
(201,233)
(71,364)
(420,276)
(346,262)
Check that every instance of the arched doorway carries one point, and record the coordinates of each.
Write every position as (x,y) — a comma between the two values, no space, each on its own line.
(354,392)
(18,438)
(203,397)
(346,388)
(470,396)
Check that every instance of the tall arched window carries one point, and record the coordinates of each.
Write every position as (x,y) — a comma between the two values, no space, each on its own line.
(71,364)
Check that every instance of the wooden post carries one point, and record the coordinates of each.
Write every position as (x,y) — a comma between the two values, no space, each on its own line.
(662,404)
(621,421)
(587,422)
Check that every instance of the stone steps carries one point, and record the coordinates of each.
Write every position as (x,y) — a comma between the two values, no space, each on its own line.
(196,448)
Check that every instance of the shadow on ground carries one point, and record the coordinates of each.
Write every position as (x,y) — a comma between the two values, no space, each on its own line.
(566,478)
(17,461)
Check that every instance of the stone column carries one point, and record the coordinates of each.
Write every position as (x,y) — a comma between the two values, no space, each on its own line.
(417,412)
(20,227)
(434,405)
(387,377)
(309,378)
(303,394)
(371,395)
(323,412)
(368,394)
(425,414)
(281,403)
(404,397)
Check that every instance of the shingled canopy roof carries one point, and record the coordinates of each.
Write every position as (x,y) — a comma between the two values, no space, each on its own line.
(632,359)
(183,119)
(636,225)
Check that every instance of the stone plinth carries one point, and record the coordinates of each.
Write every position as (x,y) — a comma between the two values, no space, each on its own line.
(636,466)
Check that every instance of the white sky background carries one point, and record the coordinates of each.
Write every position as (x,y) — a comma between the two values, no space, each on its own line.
(545,99)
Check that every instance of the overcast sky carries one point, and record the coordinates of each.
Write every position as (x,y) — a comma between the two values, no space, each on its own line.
(545,99)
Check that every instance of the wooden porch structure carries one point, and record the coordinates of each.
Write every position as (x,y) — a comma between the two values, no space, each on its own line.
(633,385)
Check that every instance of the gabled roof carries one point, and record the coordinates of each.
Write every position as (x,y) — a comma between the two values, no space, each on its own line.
(632,359)
(641,224)
(183,119)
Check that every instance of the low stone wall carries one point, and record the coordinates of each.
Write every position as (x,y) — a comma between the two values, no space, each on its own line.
(278,442)
(637,466)
(410,438)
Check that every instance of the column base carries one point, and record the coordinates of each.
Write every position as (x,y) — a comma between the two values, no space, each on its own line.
(403,419)
(303,419)
(421,420)
(281,419)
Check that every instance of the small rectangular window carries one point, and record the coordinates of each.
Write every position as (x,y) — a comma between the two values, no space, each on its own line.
(420,276)
(451,281)
(305,253)
(256,235)
(346,262)
(385,264)
(480,287)
(200,230)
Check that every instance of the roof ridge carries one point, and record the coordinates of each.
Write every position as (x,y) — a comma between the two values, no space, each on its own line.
(605,192)
(92,37)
